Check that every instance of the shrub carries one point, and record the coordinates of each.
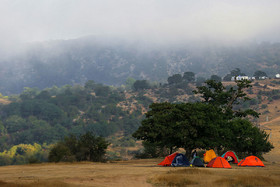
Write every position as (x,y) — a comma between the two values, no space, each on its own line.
(264,106)
(85,148)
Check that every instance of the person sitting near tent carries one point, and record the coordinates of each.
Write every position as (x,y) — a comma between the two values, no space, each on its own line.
(229,159)
(194,153)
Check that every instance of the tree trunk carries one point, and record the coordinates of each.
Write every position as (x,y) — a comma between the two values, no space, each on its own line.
(188,153)
(171,150)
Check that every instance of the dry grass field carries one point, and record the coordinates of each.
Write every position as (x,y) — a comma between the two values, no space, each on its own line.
(135,173)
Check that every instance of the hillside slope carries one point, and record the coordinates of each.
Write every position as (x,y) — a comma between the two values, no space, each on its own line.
(111,62)
(114,113)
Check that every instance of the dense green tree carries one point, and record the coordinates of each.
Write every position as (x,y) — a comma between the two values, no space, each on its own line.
(141,84)
(233,73)
(157,127)
(101,90)
(237,72)
(90,85)
(85,148)
(259,74)
(44,95)
(91,148)
(247,139)
(189,76)
(175,79)
(185,125)
(216,78)
(29,93)
(215,93)
(212,123)
(60,153)
(15,123)
(129,82)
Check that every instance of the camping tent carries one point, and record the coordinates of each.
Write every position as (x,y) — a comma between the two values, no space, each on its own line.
(218,162)
(168,160)
(175,159)
(209,155)
(230,154)
(180,160)
(251,161)
(196,161)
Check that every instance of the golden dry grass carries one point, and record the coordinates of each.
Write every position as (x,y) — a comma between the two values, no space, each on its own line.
(179,177)
(210,177)
(136,173)
(36,184)
(248,181)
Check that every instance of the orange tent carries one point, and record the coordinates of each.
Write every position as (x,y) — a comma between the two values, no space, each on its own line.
(218,162)
(209,155)
(168,160)
(251,161)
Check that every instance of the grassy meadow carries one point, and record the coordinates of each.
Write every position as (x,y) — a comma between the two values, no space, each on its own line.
(135,173)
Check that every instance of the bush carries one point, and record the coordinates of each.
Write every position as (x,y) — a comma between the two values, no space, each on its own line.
(276,97)
(60,152)
(85,148)
(264,106)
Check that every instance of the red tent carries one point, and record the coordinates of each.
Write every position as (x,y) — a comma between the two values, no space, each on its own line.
(251,161)
(218,162)
(232,155)
(168,160)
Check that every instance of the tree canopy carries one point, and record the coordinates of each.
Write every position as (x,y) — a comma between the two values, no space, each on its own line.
(259,74)
(87,147)
(211,123)
(189,76)
(175,79)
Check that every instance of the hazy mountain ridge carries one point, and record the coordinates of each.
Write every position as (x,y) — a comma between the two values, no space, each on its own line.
(76,61)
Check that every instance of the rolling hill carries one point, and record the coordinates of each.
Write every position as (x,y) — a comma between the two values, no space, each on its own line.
(111,62)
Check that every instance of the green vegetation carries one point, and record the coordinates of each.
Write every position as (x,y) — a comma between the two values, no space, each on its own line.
(48,116)
(233,73)
(210,123)
(259,74)
(24,154)
(213,116)
(85,148)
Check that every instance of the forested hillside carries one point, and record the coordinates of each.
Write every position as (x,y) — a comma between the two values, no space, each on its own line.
(57,63)
(46,116)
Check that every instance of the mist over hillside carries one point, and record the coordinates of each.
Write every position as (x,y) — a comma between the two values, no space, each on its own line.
(44,43)
(111,62)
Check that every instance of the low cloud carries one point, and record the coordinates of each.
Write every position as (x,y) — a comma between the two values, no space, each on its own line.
(148,20)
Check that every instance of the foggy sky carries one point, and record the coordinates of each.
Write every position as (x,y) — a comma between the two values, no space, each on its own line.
(149,20)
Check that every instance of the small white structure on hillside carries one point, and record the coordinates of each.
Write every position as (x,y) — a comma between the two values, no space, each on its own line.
(239,78)
(263,78)
(277,76)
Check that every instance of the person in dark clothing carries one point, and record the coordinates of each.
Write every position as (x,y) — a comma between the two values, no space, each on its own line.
(194,153)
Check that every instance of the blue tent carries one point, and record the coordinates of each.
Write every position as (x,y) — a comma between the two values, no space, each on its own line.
(196,161)
(180,160)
